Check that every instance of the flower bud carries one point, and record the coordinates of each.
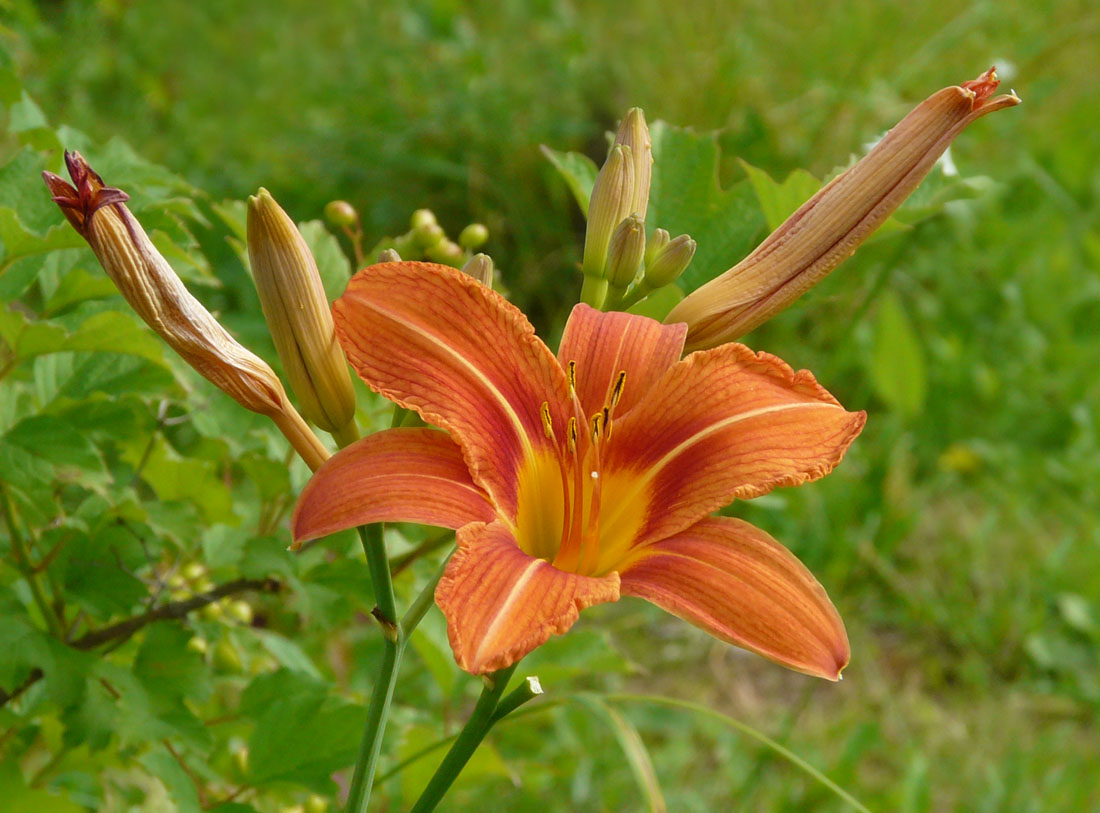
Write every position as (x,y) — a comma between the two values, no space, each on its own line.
(669,263)
(341,213)
(656,245)
(149,284)
(388,255)
(829,227)
(634,133)
(480,267)
(299,317)
(473,236)
(611,201)
(625,253)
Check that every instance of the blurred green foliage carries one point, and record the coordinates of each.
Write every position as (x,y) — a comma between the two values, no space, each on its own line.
(960,539)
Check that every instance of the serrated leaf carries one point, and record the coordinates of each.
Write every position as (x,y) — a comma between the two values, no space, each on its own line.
(181,789)
(897,360)
(77,286)
(579,172)
(18,798)
(686,198)
(53,440)
(174,477)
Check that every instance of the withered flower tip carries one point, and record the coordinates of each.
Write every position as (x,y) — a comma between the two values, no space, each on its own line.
(156,293)
(829,227)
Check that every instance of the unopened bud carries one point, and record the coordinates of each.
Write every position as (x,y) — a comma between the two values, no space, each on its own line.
(298,315)
(612,197)
(480,267)
(155,292)
(634,133)
(341,213)
(473,236)
(656,245)
(670,262)
(624,256)
(389,255)
(422,218)
(445,251)
(829,227)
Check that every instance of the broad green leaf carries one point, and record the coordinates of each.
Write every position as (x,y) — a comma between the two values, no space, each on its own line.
(72,456)
(168,669)
(77,286)
(897,365)
(332,263)
(579,172)
(429,640)
(486,762)
(287,653)
(160,765)
(22,191)
(174,477)
(778,201)
(686,198)
(18,798)
(659,302)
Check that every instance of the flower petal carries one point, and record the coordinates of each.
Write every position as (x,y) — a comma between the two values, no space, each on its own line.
(501,603)
(398,475)
(725,424)
(437,341)
(740,585)
(603,344)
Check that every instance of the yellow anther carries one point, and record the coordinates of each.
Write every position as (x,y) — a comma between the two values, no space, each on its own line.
(597,421)
(547,423)
(572,377)
(617,390)
(571,441)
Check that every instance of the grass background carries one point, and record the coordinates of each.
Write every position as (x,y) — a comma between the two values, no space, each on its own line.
(960,539)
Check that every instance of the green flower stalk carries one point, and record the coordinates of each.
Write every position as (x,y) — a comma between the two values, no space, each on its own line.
(299,318)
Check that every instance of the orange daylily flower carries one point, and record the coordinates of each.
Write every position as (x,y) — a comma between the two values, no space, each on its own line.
(572,480)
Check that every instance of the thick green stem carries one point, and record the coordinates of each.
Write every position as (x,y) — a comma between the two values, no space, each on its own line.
(396,636)
(393,648)
(594,291)
(468,740)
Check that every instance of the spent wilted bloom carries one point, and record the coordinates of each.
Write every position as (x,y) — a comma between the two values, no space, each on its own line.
(829,227)
(159,297)
(574,479)
(299,317)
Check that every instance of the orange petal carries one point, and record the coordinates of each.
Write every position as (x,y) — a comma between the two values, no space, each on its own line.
(603,344)
(501,603)
(725,424)
(740,585)
(437,341)
(399,475)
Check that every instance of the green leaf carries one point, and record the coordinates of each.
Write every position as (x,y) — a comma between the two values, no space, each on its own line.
(160,765)
(332,263)
(78,286)
(287,653)
(659,302)
(778,201)
(69,454)
(174,477)
(686,198)
(18,798)
(167,668)
(897,366)
(579,172)
(635,751)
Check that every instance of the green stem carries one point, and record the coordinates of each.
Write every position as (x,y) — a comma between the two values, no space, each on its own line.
(594,291)
(23,560)
(396,635)
(393,648)
(468,740)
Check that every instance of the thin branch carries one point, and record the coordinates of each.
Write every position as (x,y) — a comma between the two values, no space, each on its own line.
(123,630)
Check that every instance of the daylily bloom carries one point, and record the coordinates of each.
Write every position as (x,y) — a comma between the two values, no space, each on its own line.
(830,226)
(572,480)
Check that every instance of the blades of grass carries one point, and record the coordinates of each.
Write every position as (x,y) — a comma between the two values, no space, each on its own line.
(749,731)
(635,750)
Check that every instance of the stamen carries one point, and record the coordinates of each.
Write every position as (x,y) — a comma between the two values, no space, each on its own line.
(547,423)
(617,390)
(606,424)
(572,370)
(597,420)
(571,440)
